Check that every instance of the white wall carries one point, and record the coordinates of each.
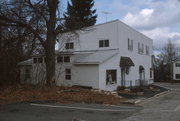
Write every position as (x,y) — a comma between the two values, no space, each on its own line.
(110,64)
(89,38)
(176,70)
(126,32)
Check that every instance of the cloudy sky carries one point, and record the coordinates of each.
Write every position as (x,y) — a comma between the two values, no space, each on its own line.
(158,19)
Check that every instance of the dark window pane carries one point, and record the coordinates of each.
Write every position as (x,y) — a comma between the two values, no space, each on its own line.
(68,71)
(177,76)
(106,43)
(71,45)
(59,59)
(128,44)
(66,59)
(67,45)
(100,43)
(131,44)
(40,60)
(44,59)
(34,60)
(68,77)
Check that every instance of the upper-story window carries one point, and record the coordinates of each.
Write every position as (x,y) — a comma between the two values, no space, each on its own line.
(142,49)
(139,48)
(63,59)
(177,64)
(147,50)
(130,44)
(103,43)
(70,45)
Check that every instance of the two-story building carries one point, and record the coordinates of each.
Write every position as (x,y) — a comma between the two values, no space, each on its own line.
(103,56)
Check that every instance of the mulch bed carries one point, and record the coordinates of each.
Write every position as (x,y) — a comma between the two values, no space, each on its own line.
(143,92)
(56,94)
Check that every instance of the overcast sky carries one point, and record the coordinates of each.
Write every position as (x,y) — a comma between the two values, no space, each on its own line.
(158,19)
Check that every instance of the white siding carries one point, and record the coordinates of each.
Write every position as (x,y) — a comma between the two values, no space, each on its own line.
(176,70)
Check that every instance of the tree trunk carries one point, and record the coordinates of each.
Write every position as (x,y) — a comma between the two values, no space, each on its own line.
(50,42)
(50,61)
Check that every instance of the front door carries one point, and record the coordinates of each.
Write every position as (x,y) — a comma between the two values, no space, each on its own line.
(141,77)
(122,77)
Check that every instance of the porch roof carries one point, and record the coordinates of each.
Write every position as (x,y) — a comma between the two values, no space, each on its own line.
(96,57)
(26,62)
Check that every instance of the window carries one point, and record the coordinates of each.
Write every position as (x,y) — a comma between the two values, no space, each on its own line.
(35,60)
(40,60)
(44,59)
(70,45)
(151,73)
(103,43)
(130,44)
(177,64)
(147,50)
(142,49)
(111,77)
(68,74)
(177,76)
(61,59)
(139,49)
(66,59)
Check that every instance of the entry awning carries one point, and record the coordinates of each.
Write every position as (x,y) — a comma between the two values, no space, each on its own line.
(126,62)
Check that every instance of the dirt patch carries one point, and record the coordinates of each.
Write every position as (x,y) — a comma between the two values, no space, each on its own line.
(56,94)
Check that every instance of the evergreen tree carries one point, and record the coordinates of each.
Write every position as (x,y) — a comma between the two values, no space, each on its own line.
(79,14)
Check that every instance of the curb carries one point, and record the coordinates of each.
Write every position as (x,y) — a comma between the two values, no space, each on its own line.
(155,96)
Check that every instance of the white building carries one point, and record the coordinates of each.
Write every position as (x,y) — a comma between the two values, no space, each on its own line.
(103,56)
(176,70)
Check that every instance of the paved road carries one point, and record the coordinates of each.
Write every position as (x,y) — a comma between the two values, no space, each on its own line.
(59,112)
(171,86)
(163,108)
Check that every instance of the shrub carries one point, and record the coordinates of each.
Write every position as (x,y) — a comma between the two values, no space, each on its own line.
(120,88)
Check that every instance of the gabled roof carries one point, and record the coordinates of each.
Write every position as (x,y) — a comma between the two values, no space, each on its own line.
(95,57)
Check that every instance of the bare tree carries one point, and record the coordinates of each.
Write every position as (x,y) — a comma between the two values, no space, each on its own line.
(40,19)
(168,55)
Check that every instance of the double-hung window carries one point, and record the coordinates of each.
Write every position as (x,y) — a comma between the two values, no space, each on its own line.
(103,43)
(130,44)
(63,59)
(147,50)
(70,45)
